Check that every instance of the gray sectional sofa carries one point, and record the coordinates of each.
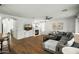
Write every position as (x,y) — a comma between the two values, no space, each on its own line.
(56,41)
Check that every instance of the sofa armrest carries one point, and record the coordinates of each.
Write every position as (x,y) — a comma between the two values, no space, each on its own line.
(60,45)
(45,37)
(59,48)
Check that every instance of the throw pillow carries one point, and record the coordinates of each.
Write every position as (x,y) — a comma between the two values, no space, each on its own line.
(70,43)
(76,35)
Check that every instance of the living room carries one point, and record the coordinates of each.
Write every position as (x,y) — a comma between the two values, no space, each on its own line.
(31,23)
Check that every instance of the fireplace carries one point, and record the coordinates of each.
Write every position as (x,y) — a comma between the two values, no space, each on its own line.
(36,32)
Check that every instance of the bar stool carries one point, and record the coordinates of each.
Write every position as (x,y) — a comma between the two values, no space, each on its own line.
(2,39)
(1,42)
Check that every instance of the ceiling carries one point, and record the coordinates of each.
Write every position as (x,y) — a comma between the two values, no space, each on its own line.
(40,10)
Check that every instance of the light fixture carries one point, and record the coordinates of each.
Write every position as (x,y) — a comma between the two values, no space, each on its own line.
(48,17)
(64,10)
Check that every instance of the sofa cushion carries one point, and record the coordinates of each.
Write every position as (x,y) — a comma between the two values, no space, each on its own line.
(70,43)
(50,44)
(69,35)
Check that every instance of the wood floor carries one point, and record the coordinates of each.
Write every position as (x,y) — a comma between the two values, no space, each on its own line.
(30,45)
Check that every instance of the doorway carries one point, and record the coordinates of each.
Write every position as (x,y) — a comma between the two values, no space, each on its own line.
(7,25)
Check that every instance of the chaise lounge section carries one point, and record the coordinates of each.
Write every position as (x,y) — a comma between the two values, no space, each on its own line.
(55,42)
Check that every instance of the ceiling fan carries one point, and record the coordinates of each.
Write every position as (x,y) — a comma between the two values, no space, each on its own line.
(48,17)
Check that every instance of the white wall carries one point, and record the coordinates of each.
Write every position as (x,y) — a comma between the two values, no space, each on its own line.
(77,25)
(19,32)
(69,25)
